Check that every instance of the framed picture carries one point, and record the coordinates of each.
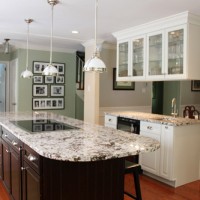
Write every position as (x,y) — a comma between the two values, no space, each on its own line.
(60,79)
(48,127)
(60,68)
(37,79)
(58,127)
(48,103)
(39,115)
(195,85)
(39,66)
(57,90)
(122,85)
(37,127)
(40,90)
(49,79)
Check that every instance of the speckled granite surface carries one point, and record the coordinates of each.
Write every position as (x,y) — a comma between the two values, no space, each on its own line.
(88,143)
(155,118)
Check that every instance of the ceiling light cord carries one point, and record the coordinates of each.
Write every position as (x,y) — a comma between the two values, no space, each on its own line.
(95,25)
(51,39)
(27,44)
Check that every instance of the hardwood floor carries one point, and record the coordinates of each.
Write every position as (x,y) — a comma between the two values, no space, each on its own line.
(151,190)
(155,190)
(3,192)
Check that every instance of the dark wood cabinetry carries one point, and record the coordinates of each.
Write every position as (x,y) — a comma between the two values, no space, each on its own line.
(31,172)
(11,152)
(1,157)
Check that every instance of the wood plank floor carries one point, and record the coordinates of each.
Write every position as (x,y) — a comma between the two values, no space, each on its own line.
(151,190)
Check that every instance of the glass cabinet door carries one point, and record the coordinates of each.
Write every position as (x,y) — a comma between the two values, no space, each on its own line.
(138,57)
(175,51)
(123,59)
(155,55)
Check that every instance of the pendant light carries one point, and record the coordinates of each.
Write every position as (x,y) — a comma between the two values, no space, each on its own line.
(95,63)
(50,70)
(6,46)
(27,73)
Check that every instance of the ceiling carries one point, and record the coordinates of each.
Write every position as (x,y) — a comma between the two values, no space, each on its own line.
(113,15)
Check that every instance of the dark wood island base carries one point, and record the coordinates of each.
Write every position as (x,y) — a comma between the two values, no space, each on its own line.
(96,180)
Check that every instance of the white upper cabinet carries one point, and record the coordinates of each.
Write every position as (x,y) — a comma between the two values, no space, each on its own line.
(165,49)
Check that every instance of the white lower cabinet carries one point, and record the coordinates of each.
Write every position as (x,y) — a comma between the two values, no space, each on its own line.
(166,152)
(110,121)
(159,162)
(150,161)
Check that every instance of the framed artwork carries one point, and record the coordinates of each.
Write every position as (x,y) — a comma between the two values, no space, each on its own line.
(49,79)
(48,127)
(38,67)
(57,90)
(37,127)
(40,90)
(60,79)
(38,79)
(195,85)
(122,85)
(47,103)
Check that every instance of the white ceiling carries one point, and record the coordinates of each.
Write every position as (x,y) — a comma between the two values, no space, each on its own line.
(113,15)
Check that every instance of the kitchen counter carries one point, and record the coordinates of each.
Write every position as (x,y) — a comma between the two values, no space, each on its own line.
(88,143)
(155,118)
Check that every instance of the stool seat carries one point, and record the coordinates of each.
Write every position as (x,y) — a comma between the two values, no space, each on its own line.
(135,169)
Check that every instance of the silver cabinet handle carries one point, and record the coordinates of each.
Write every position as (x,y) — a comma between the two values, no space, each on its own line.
(31,157)
(149,127)
(14,143)
(24,168)
(6,135)
(7,151)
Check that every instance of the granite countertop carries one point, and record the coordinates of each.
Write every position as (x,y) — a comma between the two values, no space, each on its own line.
(155,118)
(88,143)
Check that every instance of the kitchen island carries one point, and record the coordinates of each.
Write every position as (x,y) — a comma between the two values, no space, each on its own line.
(83,162)
(177,162)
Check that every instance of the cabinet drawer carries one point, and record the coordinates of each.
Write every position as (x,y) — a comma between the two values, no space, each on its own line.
(111,120)
(150,127)
(12,140)
(32,158)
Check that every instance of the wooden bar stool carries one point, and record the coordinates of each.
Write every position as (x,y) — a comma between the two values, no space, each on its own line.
(135,169)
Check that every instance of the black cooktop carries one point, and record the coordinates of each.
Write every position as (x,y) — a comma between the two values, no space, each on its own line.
(40,125)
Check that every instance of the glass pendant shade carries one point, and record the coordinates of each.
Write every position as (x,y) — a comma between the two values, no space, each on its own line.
(50,70)
(94,64)
(27,73)
(6,46)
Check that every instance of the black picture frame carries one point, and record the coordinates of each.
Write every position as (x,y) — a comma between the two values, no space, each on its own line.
(122,85)
(195,85)
(40,90)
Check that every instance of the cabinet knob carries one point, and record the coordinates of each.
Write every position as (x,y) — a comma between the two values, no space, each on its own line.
(6,135)
(166,127)
(24,168)
(31,157)
(110,120)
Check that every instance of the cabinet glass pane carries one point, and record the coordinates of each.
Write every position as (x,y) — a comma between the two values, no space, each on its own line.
(123,60)
(155,55)
(175,52)
(138,57)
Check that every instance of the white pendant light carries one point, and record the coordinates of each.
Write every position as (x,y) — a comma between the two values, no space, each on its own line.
(6,46)
(95,63)
(27,73)
(50,70)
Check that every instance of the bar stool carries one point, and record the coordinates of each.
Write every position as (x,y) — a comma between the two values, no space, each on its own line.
(134,168)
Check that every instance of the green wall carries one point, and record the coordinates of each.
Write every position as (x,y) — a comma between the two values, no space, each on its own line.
(171,90)
(25,85)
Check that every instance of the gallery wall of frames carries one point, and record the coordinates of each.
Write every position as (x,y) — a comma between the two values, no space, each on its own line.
(48,91)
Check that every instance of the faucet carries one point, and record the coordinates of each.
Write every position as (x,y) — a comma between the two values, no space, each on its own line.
(174,110)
